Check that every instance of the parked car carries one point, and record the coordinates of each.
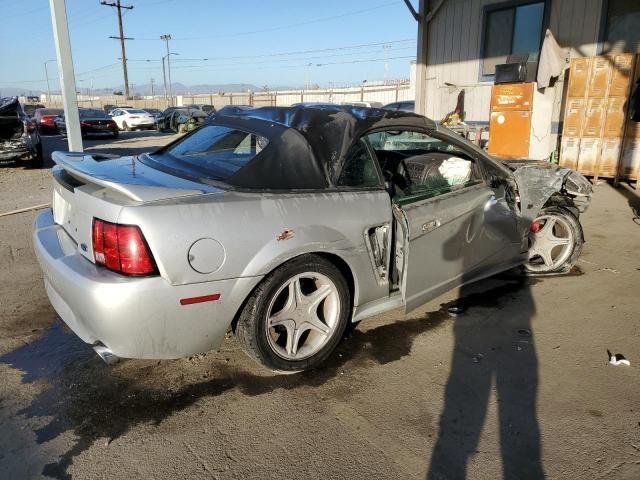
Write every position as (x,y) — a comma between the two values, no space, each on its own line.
(132,119)
(208,109)
(363,104)
(30,108)
(287,224)
(19,137)
(181,119)
(45,119)
(93,122)
(404,106)
(156,113)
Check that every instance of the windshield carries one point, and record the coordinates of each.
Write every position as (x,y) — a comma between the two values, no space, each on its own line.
(213,152)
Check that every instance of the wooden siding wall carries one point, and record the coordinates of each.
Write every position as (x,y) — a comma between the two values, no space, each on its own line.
(455,38)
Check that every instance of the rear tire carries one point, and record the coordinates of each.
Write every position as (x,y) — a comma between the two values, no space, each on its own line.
(116,134)
(296,317)
(555,248)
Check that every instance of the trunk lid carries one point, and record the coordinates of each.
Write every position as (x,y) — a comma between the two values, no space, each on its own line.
(88,186)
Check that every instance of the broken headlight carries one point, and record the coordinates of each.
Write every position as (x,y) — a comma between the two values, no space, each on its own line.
(577,185)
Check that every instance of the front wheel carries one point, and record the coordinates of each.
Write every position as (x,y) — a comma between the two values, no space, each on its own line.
(555,241)
(37,159)
(125,127)
(296,317)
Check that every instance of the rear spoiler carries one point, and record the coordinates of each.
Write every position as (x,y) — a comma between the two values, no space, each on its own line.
(128,176)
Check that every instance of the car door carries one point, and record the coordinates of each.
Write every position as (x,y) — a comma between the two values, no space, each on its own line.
(453,225)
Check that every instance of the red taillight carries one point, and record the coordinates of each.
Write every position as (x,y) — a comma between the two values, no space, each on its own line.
(85,124)
(29,126)
(111,124)
(47,119)
(121,248)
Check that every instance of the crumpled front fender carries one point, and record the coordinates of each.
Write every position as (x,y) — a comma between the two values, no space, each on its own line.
(539,181)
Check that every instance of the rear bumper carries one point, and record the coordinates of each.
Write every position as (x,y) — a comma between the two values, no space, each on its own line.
(141,123)
(99,132)
(133,317)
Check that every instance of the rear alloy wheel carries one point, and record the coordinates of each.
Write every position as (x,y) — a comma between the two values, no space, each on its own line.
(295,318)
(125,127)
(555,241)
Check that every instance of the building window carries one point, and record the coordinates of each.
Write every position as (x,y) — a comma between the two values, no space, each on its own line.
(511,29)
(622,32)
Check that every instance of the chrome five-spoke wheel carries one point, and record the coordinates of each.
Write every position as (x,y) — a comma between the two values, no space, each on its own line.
(554,239)
(303,316)
(295,318)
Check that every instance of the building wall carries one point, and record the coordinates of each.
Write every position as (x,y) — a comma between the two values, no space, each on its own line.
(454,42)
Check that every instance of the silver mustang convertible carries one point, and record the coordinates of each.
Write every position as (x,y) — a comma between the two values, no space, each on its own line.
(287,224)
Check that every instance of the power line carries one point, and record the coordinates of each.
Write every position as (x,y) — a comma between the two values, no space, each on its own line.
(209,68)
(122,38)
(22,14)
(257,62)
(104,67)
(295,52)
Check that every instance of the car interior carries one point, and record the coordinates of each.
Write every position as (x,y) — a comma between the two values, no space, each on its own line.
(414,165)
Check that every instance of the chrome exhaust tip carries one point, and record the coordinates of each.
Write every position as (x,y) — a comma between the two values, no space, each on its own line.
(106,355)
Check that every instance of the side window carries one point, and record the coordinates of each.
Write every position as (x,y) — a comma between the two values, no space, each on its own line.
(359,169)
(516,29)
(417,166)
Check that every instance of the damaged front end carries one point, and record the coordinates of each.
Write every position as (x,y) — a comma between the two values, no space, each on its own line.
(19,138)
(543,183)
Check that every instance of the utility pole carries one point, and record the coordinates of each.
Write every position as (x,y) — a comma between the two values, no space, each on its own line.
(151,81)
(122,38)
(386,48)
(166,38)
(46,74)
(164,79)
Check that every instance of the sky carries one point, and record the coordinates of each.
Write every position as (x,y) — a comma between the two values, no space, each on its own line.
(261,42)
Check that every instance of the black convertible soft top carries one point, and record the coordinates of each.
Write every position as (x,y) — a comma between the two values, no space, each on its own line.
(307,142)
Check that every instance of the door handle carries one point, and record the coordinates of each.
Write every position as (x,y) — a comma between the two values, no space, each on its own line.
(430,225)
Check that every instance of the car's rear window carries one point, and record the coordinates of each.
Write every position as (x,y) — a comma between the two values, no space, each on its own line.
(50,111)
(213,152)
(135,110)
(90,113)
